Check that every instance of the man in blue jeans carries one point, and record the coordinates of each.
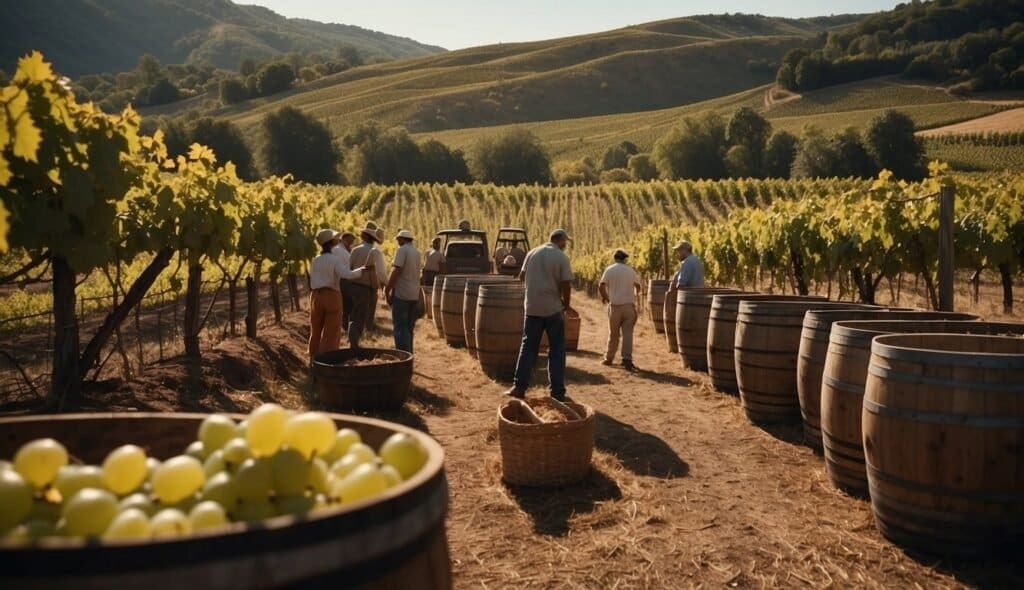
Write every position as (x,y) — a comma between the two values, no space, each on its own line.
(548,277)
(403,290)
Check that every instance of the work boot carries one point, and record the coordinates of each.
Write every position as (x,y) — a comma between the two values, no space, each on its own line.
(607,362)
(516,393)
(629,366)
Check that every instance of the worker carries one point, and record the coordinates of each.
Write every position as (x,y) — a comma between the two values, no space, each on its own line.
(343,250)
(434,263)
(403,291)
(619,287)
(547,273)
(325,274)
(364,288)
(691,269)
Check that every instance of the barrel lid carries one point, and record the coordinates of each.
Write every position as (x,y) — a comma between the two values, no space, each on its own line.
(951,349)
(822,319)
(860,332)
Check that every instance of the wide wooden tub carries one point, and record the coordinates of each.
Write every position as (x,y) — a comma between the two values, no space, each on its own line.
(367,387)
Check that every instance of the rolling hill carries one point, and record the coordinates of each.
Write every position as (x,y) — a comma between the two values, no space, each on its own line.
(91,36)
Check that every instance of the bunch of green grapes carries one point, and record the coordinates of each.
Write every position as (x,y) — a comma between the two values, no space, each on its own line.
(275,462)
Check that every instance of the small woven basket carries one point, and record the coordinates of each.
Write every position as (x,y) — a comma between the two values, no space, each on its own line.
(545,455)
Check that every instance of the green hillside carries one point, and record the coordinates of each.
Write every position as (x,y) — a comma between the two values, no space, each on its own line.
(91,36)
(639,68)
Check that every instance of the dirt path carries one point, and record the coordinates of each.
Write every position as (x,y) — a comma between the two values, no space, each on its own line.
(1005,121)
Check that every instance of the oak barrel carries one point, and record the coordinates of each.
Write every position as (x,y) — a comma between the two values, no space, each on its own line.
(767,345)
(810,365)
(573,323)
(842,387)
(693,311)
(452,294)
(668,323)
(722,335)
(656,290)
(395,541)
(499,328)
(435,304)
(383,386)
(469,306)
(943,434)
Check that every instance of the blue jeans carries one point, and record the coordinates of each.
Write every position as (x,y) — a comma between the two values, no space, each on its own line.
(533,329)
(403,320)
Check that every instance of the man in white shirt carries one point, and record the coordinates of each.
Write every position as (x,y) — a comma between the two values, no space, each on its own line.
(364,289)
(619,288)
(547,273)
(342,250)
(403,290)
(434,264)
(325,274)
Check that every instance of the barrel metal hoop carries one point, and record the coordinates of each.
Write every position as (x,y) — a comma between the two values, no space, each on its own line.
(971,421)
(902,377)
(973,360)
(842,385)
(876,475)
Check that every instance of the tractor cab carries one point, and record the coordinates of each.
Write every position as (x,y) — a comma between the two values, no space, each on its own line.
(465,250)
(510,248)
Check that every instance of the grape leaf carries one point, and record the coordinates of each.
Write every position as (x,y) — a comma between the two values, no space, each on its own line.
(5,171)
(33,68)
(4,228)
(27,138)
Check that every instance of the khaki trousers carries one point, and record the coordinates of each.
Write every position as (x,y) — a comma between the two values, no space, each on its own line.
(621,318)
(324,321)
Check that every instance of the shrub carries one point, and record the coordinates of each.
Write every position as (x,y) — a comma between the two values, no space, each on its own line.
(516,157)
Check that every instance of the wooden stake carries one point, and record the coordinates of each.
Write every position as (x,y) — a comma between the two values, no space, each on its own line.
(947,202)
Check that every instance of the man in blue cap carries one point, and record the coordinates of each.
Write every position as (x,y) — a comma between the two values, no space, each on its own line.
(547,273)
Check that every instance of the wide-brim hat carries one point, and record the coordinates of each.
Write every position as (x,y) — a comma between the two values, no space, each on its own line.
(379,234)
(370,231)
(326,235)
(405,234)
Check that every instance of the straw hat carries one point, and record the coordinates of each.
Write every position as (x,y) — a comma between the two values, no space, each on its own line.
(405,234)
(370,231)
(326,235)
(684,245)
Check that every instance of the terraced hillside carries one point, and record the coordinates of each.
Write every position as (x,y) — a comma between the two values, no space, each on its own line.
(638,68)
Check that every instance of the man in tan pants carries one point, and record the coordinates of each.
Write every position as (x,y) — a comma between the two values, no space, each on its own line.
(325,275)
(619,288)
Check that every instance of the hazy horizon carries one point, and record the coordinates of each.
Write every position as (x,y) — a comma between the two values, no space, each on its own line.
(485,22)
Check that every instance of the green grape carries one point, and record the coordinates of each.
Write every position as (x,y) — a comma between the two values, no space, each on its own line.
(318,475)
(207,515)
(170,522)
(177,478)
(38,461)
(124,469)
(89,512)
(255,510)
(241,429)
(221,489)
(32,530)
(15,498)
(346,465)
(215,431)
(291,472)
(391,475)
(266,429)
(310,433)
(185,504)
(214,464)
(403,452)
(72,478)
(364,482)
(236,451)
(254,480)
(345,438)
(196,450)
(129,524)
(137,501)
(294,504)
(364,452)
(45,510)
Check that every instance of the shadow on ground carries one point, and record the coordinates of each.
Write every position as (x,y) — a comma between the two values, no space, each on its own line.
(640,452)
(551,508)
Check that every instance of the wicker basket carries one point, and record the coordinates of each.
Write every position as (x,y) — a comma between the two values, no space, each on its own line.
(544,455)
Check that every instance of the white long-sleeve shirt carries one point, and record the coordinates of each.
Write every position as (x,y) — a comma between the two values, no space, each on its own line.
(327,270)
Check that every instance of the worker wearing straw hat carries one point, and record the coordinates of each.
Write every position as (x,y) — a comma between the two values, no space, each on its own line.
(364,288)
(325,274)
(343,250)
(547,273)
(691,269)
(403,290)
(619,288)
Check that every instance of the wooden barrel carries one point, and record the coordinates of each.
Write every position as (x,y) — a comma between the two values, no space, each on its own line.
(435,304)
(362,387)
(395,541)
(722,335)
(810,365)
(693,311)
(656,290)
(767,345)
(469,306)
(499,328)
(943,434)
(668,323)
(452,294)
(573,323)
(842,388)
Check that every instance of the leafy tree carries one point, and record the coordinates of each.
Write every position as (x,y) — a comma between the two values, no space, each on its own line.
(739,161)
(779,154)
(642,168)
(350,54)
(380,157)
(247,67)
(273,78)
(582,171)
(817,156)
(439,163)
(749,129)
(617,156)
(232,91)
(616,175)
(148,69)
(694,150)
(226,141)
(176,137)
(891,142)
(162,92)
(853,159)
(297,144)
(515,157)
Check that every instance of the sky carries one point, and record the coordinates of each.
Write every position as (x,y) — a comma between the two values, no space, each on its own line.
(454,24)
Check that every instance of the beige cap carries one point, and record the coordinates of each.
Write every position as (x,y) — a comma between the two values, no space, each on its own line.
(406,234)
(326,235)
(684,245)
